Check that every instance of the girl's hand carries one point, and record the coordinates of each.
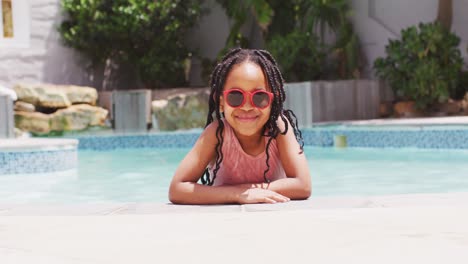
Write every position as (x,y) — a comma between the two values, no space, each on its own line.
(258,195)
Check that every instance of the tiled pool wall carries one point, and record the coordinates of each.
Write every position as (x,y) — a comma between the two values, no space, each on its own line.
(417,137)
(38,161)
(17,162)
(160,140)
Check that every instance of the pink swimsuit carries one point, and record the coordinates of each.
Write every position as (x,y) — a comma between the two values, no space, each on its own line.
(239,167)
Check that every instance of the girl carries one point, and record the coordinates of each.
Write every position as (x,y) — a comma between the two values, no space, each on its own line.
(252,152)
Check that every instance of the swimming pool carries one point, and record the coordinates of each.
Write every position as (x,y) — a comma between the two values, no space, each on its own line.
(143,175)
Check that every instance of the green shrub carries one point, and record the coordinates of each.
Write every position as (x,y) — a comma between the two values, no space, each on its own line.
(280,23)
(301,56)
(146,34)
(462,87)
(423,66)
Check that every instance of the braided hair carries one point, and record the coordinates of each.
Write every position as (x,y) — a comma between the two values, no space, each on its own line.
(276,83)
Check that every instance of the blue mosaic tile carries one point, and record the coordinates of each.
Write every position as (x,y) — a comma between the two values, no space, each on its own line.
(422,137)
(58,160)
(38,161)
(176,140)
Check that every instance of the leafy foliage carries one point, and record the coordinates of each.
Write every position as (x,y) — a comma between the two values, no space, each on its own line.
(301,56)
(304,23)
(147,34)
(239,12)
(424,65)
(462,88)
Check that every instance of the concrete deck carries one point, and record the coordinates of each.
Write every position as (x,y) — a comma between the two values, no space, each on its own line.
(422,228)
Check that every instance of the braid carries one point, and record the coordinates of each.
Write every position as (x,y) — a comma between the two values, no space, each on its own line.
(275,82)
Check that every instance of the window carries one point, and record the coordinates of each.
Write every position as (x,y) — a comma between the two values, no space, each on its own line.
(14,23)
(7,19)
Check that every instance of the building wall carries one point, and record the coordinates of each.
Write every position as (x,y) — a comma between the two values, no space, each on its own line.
(376,21)
(45,59)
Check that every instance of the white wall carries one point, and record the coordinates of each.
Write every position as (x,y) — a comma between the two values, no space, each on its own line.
(210,37)
(207,38)
(377,21)
(44,59)
(21,30)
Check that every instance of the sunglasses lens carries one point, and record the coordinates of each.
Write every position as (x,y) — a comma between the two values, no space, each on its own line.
(261,99)
(235,98)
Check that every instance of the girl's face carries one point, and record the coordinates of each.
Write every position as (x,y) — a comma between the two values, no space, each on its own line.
(247,119)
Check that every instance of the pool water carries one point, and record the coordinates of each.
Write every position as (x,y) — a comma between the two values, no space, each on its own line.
(143,175)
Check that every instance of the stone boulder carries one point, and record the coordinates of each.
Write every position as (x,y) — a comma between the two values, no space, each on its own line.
(45,108)
(75,117)
(24,107)
(182,111)
(80,94)
(385,109)
(450,107)
(34,122)
(464,105)
(407,109)
(55,96)
(78,117)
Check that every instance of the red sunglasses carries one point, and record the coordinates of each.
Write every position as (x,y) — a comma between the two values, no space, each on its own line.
(260,99)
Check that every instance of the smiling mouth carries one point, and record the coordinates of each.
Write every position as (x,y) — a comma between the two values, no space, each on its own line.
(246,118)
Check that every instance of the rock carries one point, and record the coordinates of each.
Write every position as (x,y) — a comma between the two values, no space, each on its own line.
(78,117)
(159,104)
(26,93)
(24,107)
(182,111)
(80,94)
(450,108)
(464,106)
(385,109)
(34,122)
(20,133)
(42,95)
(407,109)
(55,96)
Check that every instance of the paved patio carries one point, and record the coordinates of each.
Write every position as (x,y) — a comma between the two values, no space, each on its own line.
(417,228)
(421,228)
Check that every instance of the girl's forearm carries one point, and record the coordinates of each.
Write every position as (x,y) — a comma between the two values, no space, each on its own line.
(194,193)
(294,188)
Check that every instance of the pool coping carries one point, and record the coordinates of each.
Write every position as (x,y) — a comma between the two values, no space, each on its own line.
(456,199)
(445,120)
(37,144)
(37,155)
(399,234)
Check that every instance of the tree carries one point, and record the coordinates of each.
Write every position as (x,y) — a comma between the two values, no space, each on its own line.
(140,39)
(445,13)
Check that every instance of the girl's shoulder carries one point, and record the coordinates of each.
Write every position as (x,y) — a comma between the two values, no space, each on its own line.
(213,126)
(211,130)
(209,133)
